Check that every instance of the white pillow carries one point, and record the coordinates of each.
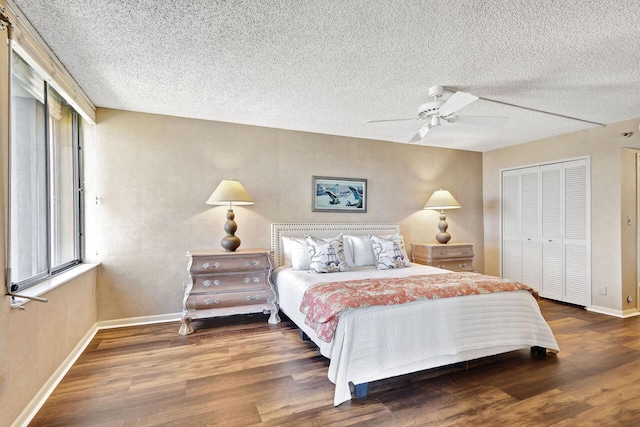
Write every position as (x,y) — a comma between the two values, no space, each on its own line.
(390,253)
(296,254)
(326,255)
(348,251)
(300,258)
(361,250)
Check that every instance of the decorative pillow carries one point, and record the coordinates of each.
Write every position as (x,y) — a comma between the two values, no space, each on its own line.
(296,254)
(326,255)
(389,253)
(361,250)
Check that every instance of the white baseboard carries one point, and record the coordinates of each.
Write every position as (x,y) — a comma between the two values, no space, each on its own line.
(614,312)
(30,411)
(143,320)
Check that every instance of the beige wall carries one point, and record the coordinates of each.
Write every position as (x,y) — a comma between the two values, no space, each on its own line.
(155,172)
(35,342)
(611,202)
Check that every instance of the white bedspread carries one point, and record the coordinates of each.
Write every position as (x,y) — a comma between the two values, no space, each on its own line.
(385,341)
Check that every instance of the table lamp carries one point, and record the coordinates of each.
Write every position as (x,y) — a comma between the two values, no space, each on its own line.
(442,200)
(232,192)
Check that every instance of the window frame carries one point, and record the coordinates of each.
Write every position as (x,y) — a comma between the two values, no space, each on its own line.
(51,270)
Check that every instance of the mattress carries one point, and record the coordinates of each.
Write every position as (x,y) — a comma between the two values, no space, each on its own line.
(384,341)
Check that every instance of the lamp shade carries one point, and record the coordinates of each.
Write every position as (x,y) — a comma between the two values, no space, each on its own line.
(440,200)
(230,191)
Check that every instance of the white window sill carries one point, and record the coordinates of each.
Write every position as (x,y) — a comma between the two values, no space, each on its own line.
(50,284)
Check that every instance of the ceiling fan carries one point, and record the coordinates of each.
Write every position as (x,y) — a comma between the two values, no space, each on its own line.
(437,110)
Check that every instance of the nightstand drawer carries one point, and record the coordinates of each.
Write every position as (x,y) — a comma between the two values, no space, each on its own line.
(455,265)
(444,251)
(230,282)
(229,299)
(215,264)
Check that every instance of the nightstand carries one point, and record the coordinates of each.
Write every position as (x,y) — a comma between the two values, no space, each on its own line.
(227,283)
(450,256)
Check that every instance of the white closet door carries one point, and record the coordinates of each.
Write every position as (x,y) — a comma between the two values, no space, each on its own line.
(545,229)
(511,250)
(551,245)
(530,226)
(576,251)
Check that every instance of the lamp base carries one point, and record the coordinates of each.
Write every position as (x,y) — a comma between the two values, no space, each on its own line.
(230,242)
(443,237)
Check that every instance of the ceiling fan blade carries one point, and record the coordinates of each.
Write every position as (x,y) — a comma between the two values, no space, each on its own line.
(457,101)
(393,120)
(421,133)
(494,121)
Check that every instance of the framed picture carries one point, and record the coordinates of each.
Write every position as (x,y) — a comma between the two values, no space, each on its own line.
(339,194)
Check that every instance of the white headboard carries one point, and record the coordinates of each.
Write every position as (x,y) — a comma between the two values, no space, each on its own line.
(280,230)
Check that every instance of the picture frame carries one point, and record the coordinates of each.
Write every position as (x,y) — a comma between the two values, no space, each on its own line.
(333,194)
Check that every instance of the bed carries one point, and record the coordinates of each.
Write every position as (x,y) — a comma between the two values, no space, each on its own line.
(382,341)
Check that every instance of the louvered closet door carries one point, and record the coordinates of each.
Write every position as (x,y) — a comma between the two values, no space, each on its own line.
(511,250)
(545,229)
(577,278)
(530,226)
(551,237)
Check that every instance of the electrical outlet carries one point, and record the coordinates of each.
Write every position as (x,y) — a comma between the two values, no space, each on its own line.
(603,291)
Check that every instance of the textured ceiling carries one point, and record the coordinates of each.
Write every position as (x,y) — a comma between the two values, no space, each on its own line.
(329,66)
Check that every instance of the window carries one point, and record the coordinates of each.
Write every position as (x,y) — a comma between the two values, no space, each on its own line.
(44,191)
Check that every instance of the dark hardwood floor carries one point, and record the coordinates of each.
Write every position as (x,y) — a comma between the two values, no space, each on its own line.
(241,371)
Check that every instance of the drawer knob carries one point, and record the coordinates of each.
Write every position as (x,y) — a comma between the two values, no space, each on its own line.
(252,298)
(211,283)
(252,263)
(208,264)
(442,253)
(210,301)
(249,280)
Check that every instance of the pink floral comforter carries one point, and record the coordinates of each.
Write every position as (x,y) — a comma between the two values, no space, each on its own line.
(323,303)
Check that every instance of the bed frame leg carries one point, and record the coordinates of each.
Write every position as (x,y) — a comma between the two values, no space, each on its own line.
(538,352)
(303,336)
(360,390)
